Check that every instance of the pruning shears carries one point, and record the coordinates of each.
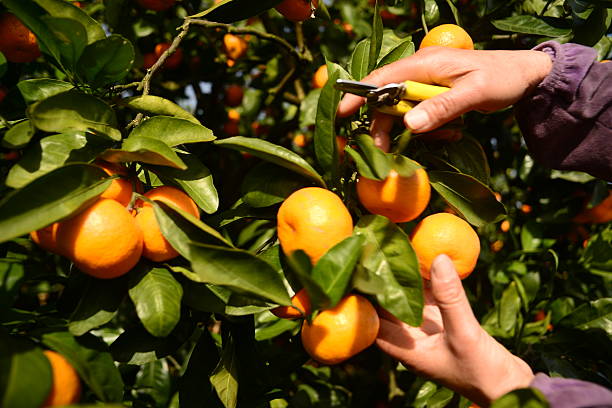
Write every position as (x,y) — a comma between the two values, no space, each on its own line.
(394,99)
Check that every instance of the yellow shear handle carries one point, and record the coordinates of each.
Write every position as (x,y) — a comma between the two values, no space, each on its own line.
(416,91)
(399,109)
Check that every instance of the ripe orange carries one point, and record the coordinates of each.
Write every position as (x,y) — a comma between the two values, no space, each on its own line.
(598,214)
(448,35)
(339,333)
(526,208)
(496,246)
(155,246)
(46,238)
(299,300)
(235,47)
(174,61)
(233,115)
(148,60)
(505,226)
(103,240)
(297,10)
(17,42)
(320,77)
(120,189)
(66,386)
(312,219)
(444,233)
(233,95)
(300,140)
(398,198)
(340,144)
(156,5)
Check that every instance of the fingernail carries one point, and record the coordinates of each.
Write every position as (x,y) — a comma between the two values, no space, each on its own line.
(416,119)
(443,269)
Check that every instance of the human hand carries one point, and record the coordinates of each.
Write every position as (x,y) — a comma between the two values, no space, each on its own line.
(450,347)
(479,80)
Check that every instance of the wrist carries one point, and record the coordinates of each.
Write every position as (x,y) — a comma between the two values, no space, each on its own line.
(517,375)
(537,65)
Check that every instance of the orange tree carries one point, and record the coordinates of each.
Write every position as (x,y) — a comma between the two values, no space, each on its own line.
(217,99)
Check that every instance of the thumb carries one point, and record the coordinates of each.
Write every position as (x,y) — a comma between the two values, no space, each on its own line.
(434,112)
(450,297)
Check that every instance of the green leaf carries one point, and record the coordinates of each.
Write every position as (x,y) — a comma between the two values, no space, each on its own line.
(155,380)
(358,65)
(12,274)
(509,308)
(37,89)
(326,149)
(300,265)
(145,150)
(194,385)
(99,302)
(173,131)
(273,153)
(229,11)
(596,256)
(3,65)
(225,377)
(196,181)
(532,237)
(529,25)
(52,152)
(441,398)
(469,157)
(60,8)
(74,111)
(106,61)
(157,297)
(468,196)
(156,105)
(18,136)
(71,38)
(378,163)
(25,373)
(389,269)
(308,108)
(431,12)
(267,184)
(238,270)
(90,358)
(524,398)
(596,314)
(50,198)
(375,39)
(401,50)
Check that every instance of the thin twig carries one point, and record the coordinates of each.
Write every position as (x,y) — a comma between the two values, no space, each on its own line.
(274,91)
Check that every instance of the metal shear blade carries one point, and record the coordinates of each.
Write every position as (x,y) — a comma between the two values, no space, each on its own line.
(389,94)
(354,87)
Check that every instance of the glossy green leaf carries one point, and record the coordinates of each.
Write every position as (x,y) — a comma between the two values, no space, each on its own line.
(225,377)
(71,38)
(52,152)
(157,298)
(389,269)
(273,153)
(597,253)
(3,65)
(25,373)
(378,163)
(173,131)
(431,12)
(106,61)
(60,8)
(301,267)
(156,380)
(196,181)
(145,150)
(74,111)
(49,198)
(238,270)
(156,105)
(358,66)
(375,39)
(99,302)
(529,25)
(509,308)
(468,156)
(275,328)
(308,108)
(37,89)
(524,398)
(596,314)
(441,398)
(90,358)
(18,136)
(533,237)
(401,50)
(229,11)
(468,196)
(267,184)
(12,274)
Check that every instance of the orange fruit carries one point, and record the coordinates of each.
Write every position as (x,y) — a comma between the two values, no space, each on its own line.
(444,233)
(526,208)
(155,245)
(174,61)
(235,47)
(120,189)
(398,198)
(233,115)
(66,386)
(497,246)
(300,300)
(300,140)
(312,219)
(231,128)
(297,10)
(148,60)
(448,35)
(604,61)
(156,5)
(320,77)
(599,214)
(340,144)
(46,238)
(103,240)
(505,226)
(233,95)
(341,332)
(17,42)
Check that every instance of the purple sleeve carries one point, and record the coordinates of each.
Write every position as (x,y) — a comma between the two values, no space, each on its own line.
(570,393)
(567,120)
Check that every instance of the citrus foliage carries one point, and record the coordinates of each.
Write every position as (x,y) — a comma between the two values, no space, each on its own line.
(233,109)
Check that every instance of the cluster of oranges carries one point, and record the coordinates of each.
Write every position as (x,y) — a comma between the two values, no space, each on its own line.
(107,239)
